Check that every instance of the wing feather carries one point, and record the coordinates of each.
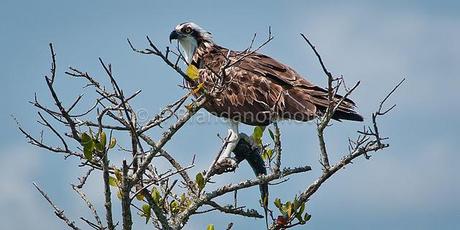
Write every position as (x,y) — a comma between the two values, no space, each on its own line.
(259,84)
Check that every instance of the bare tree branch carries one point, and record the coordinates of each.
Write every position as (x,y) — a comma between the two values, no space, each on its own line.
(107,192)
(59,213)
(49,82)
(125,200)
(90,206)
(235,210)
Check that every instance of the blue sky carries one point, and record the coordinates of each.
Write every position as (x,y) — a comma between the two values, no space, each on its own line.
(412,185)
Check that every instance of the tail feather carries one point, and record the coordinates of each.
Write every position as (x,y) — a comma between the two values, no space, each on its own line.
(313,101)
(347,115)
(345,111)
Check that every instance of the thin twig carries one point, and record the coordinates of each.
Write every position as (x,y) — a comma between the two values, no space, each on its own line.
(235,210)
(59,213)
(90,206)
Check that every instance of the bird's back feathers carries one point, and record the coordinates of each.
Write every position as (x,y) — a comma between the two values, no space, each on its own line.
(257,89)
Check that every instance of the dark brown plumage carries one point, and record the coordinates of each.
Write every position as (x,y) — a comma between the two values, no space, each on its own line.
(257,89)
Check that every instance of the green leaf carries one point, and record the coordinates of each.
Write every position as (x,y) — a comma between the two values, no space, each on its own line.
(291,210)
(199,179)
(288,208)
(258,131)
(264,155)
(156,195)
(112,143)
(140,197)
(88,146)
(185,201)
(147,211)
(257,134)
(85,139)
(271,134)
(88,151)
(302,208)
(210,227)
(118,174)
(268,152)
(299,217)
(306,217)
(278,203)
(296,203)
(113,181)
(174,206)
(99,147)
(91,134)
(264,201)
(103,139)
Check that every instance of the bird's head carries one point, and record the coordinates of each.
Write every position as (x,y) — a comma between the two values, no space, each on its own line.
(190,36)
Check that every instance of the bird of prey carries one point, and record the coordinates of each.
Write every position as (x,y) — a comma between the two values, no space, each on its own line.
(254,89)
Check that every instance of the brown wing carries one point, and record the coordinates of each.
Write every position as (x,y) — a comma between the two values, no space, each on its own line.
(298,88)
(259,89)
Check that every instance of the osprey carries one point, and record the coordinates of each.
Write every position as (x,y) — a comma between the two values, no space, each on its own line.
(253,88)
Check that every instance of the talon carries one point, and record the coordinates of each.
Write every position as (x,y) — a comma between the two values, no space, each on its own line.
(232,162)
(190,106)
(197,88)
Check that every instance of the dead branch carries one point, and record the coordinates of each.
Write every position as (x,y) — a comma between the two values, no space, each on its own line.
(107,192)
(90,206)
(59,213)
(234,210)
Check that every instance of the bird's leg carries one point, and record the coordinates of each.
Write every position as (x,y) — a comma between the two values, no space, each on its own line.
(232,141)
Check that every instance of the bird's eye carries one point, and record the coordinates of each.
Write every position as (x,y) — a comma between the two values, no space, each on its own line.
(187,30)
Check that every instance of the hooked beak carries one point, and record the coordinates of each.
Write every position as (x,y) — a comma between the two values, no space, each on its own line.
(173,35)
